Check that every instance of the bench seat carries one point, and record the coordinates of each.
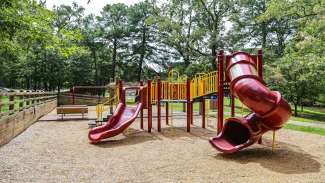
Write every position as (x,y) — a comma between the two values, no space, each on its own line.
(72,109)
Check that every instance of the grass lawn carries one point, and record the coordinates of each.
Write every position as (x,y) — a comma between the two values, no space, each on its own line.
(239,108)
(5,100)
(308,129)
(309,114)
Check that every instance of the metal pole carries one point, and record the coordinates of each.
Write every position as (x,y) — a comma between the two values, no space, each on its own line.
(2,104)
(167,113)
(191,112)
(260,73)
(122,95)
(149,106)
(273,141)
(73,99)
(220,90)
(232,101)
(203,112)
(188,110)
(141,112)
(158,104)
(260,63)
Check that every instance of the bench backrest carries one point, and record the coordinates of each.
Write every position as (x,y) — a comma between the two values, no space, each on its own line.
(71,110)
(73,106)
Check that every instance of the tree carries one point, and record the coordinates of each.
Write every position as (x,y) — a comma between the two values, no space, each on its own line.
(24,37)
(114,23)
(250,29)
(175,26)
(297,78)
(141,32)
(67,29)
(303,65)
(91,39)
(211,20)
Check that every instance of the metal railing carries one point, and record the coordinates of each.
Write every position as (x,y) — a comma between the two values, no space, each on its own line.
(100,108)
(202,84)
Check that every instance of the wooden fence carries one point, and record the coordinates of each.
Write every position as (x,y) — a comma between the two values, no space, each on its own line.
(13,102)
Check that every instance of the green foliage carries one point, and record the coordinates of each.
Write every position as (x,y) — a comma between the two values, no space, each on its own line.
(62,47)
(193,69)
(297,77)
(300,74)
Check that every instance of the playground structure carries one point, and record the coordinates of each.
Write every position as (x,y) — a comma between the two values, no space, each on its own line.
(244,75)
(269,109)
(121,118)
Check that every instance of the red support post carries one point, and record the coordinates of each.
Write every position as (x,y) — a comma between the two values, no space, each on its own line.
(188,110)
(203,112)
(191,113)
(70,96)
(149,106)
(167,113)
(232,102)
(260,73)
(260,63)
(158,104)
(141,112)
(73,96)
(220,90)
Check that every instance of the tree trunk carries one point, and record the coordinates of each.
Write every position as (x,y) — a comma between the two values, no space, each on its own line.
(281,46)
(101,76)
(35,78)
(188,50)
(213,58)
(264,34)
(93,52)
(264,27)
(114,57)
(296,109)
(143,52)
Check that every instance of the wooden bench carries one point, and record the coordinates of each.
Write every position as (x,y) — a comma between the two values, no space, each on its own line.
(72,109)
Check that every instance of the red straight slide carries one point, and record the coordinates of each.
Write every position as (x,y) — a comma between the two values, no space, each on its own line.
(122,118)
(270,110)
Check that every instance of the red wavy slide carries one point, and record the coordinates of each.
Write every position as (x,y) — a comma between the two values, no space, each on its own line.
(270,110)
(122,118)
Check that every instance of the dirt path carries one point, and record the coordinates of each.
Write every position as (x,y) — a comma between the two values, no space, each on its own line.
(60,152)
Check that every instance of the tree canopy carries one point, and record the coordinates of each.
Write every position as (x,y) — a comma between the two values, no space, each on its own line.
(62,47)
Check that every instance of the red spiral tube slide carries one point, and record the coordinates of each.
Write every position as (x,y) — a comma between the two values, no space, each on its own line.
(270,110)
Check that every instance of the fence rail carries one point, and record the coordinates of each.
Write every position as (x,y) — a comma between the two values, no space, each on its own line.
(11,102)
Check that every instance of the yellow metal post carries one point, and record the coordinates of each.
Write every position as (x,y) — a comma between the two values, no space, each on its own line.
(242,109)
(273,141)
(171,114)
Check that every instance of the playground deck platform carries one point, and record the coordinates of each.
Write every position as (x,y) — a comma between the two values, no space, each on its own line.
(51,151)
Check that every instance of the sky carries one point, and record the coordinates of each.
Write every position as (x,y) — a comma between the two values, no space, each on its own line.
(94,6)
